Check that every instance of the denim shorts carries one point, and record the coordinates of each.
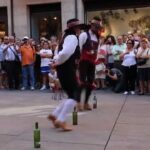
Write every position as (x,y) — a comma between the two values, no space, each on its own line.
(45,69)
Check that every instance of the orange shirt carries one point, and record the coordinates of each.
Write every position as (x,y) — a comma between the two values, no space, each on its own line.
(27,55)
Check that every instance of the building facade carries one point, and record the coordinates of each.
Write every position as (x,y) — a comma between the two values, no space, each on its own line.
(36,18)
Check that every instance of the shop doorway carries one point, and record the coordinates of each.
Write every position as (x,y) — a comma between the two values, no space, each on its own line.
(45,20)
(3,22)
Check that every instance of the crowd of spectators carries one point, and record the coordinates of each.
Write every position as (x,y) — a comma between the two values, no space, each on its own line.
(122,54)
(24,63)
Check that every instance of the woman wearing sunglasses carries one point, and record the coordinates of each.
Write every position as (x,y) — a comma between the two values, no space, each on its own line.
(129,67)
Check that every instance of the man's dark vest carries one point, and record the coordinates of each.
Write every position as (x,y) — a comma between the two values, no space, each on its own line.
(70,63)
(89,50)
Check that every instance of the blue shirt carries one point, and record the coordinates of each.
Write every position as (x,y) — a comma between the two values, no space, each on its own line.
(117,50)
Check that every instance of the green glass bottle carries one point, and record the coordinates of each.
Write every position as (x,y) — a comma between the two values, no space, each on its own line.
(37,136)
(94,102)
(75,117)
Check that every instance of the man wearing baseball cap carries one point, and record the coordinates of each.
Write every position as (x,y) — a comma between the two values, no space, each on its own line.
(28,58)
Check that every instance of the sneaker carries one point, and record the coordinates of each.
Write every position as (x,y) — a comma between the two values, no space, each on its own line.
(32,88)
(23,88)
(43,88)
(132,93)
(125,93)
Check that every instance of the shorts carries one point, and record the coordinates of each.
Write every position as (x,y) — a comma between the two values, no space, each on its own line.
(143,74)
(45,69)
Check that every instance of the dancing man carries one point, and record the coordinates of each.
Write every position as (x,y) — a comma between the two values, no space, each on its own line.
(88,41)
(64,62)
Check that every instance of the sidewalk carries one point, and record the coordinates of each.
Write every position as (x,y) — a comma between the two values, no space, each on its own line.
(120,123)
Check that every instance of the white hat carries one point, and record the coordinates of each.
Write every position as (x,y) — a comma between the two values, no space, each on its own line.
(25,38)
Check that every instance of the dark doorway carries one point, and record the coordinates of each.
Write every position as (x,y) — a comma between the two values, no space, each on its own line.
(45,20)
(3,22)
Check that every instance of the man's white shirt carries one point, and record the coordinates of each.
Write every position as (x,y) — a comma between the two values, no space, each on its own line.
(10,52)
(83,38)
(69,47)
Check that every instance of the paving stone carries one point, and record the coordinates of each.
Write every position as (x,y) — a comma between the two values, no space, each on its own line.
(128,126)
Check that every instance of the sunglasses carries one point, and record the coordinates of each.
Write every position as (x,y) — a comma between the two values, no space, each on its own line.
(97,26)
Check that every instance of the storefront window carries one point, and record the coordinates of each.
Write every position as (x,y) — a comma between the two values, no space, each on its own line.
(45,22)
(2,29)
(3,22)
(122,21)
(120,17)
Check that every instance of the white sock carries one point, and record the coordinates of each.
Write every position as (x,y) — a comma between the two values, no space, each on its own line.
(58,109)
(67,108)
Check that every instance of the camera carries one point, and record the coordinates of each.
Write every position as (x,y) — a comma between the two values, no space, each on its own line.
(106,71)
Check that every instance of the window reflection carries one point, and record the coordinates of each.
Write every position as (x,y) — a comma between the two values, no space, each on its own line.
(3,22)
(2,29)
(45,20)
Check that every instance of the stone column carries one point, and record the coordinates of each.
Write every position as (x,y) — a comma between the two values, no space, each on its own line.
(21,27)
(80,7)
(67,11)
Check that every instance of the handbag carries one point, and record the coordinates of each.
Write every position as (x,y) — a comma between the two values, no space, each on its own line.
(16,56)
(142,61)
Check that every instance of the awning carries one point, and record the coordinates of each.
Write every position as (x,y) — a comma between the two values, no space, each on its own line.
(114,4)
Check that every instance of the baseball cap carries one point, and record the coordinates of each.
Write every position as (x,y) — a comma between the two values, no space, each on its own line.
(25,38)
